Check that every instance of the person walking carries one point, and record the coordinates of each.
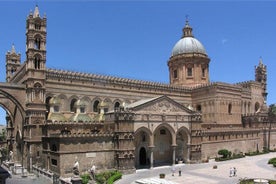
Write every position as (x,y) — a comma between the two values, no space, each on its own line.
(235,171)
(173,170)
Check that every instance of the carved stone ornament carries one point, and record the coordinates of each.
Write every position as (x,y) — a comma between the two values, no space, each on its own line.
(163,107)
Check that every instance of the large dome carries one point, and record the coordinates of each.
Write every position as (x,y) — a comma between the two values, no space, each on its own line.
(188,44)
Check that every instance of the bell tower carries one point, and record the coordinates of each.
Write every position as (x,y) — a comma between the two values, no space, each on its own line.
(13,60)
(35,83)
(261,76)
(35,57)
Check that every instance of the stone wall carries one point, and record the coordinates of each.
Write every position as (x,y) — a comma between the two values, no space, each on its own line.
(210,149)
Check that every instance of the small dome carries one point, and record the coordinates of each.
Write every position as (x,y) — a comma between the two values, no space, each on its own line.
(188,45)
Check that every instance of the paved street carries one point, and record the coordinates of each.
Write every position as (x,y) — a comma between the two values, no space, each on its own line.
(248,167)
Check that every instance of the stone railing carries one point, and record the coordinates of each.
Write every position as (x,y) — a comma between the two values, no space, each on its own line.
(43,172)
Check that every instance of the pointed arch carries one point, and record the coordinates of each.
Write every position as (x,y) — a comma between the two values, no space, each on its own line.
(63,102)
(164,141)
(72,101)
(95,104)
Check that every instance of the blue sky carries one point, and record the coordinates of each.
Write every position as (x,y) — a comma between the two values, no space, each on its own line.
(134,39)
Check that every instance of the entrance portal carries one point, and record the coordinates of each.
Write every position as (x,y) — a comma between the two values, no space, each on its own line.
(143,156)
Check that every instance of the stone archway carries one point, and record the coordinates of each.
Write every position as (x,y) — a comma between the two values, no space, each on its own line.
(163,150)
(142,142)
(182,152)
(10,101)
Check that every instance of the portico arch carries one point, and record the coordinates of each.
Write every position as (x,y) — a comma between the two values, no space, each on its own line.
(183,139)
(164,144)
(9,101)
(143,142)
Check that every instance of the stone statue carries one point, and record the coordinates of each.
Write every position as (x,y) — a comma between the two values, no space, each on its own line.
(11,155)
(76,168)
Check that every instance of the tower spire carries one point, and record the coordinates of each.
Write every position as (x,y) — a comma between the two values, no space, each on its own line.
(187,30)
(13,49)
(36,12)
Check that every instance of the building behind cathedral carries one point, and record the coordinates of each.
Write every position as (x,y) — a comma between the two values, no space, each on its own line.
(56,117)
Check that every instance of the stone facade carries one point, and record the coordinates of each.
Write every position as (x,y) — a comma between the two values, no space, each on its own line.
(58,117)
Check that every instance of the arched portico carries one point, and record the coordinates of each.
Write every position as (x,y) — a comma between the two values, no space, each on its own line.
(10,102)
(164,144)
(143,143)
(182,152)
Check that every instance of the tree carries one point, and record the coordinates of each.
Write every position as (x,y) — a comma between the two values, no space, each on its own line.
(224,153)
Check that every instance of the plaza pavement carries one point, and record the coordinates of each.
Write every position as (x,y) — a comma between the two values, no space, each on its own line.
(203,173)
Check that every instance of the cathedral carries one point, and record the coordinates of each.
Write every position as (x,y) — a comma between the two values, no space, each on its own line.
(57,117)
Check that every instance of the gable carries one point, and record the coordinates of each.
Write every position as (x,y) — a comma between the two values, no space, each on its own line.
(159,105)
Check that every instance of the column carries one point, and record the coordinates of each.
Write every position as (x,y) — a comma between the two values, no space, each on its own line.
(173,155)
(188,152)
(151,156)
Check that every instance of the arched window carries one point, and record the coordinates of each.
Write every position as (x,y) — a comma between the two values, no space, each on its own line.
(257,106)
(203,72)
(56,108)
(198,108)
(37,62)
(72,105)
(175,74)
(13,70)
(117,105)
(82,109)
(230,108)
(37,43)
(144,137)
(95,106)
(189,71)
(48,106)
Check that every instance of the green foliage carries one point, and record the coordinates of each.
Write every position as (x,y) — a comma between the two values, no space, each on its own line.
(229,154)
(224,153)
(85,178)
(4,153)
(272,161)
(108,177)
(251,181)
(114,177)
(233,156)
(246,181)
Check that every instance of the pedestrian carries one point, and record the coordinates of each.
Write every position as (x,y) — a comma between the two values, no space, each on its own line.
(179,171)
(231,172)
(173,170)
(235,171)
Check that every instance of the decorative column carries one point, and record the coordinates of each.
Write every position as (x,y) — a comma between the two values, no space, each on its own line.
(188,152)
(173,155)
(151,156)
